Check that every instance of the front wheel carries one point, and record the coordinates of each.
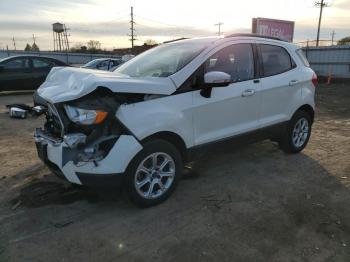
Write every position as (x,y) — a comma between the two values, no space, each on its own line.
(297,134)
(153,174)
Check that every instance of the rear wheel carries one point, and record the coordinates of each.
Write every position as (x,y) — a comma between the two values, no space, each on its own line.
(153,174)
(297,134)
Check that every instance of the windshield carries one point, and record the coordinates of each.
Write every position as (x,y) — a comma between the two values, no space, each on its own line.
(164,60)
(93,63)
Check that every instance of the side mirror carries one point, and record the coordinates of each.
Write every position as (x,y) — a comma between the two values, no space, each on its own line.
(214,79)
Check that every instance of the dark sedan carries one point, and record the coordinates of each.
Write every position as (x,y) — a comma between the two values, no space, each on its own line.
(25,72)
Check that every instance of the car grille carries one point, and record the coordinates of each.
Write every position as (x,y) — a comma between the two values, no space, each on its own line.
(55,122)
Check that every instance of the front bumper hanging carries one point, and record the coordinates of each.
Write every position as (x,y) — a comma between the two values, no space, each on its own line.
(59,155)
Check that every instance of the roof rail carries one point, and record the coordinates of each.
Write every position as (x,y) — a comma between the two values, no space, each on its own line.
(256,35)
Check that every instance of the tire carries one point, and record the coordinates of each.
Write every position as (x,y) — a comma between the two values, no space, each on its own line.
(142,173)
(297,133)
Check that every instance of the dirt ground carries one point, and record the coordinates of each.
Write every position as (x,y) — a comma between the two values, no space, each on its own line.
(249,204)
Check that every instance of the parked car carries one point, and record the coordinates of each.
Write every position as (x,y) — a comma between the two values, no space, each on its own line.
(103,63)
(138,125)
(25,72)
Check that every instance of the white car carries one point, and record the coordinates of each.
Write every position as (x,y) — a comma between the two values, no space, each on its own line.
(103,64)
(138,125)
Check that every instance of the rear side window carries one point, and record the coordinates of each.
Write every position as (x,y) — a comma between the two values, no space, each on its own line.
(38,63)
(275,60)
(302,57)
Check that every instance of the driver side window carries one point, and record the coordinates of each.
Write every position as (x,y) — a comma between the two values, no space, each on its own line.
(18,64)
(236,60)
(103,64)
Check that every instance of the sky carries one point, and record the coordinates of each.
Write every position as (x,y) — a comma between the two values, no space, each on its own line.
(108,20)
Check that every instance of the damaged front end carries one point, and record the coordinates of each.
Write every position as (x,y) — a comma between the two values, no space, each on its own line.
(83,140)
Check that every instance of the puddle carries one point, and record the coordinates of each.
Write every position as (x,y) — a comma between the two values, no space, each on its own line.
(45,193)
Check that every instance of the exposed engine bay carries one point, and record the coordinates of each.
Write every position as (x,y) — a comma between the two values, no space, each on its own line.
(88,142)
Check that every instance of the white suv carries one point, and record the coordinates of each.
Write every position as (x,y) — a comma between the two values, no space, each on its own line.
(140,124)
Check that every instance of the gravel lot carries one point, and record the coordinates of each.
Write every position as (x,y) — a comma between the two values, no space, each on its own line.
(249,204)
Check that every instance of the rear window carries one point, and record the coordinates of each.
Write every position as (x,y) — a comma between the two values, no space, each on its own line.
(275,60)
(302,57)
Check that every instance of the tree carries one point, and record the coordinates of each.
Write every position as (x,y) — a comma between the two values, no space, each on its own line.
(78,48)
(28,47)
(35,47)
(93,45)
(344,41)
(83,49)
(150,42)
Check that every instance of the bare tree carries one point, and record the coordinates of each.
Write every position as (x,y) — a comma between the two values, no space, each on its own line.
(150,42)
(35,47)
(93,45)
(344,41)
(28,47)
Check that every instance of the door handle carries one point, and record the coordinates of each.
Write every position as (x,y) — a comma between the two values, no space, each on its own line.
(248,92)
(293,82)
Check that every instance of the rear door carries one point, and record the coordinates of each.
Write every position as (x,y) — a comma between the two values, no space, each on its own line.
(16,75)
(41,68)
(233,109)
(279,84)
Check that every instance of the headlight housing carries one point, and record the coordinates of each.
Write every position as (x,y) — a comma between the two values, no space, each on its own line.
(85,116)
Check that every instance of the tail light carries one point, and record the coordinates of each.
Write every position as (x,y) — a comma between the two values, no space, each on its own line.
(314,80)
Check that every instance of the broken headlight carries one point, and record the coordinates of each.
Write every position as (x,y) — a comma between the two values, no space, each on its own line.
(85,116)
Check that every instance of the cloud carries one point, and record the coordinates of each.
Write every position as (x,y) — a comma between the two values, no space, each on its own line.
(85,18)
(82,32)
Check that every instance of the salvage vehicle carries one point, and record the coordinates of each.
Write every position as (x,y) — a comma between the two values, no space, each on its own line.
(19,73)
(139,125)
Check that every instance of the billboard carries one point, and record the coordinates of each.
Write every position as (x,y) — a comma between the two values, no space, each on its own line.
(272,27)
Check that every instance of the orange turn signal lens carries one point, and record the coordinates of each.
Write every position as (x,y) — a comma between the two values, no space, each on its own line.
(100,116)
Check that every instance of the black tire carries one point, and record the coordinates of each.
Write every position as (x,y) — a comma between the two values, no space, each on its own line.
(286,141)
(150,147)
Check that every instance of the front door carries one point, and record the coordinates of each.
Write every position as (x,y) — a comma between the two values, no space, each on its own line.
(16,75)
(230,110)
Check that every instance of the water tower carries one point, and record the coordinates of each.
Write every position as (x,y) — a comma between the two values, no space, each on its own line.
(60,38)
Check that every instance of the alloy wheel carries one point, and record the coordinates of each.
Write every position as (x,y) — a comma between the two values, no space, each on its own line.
(300,132)
(154,175)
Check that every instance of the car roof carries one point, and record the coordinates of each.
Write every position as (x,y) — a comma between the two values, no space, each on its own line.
(31,56)
(104,58)
(240,36)
(255,35)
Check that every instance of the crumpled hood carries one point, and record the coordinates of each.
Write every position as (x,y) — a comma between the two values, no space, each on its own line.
(69,83)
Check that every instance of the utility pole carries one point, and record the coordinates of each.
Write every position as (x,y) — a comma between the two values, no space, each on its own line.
(219,27)
(333,33)
(14,42)
(321,5)
(132,29)
(33,38)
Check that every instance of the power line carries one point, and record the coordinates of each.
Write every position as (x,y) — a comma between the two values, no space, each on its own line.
(157,22)
(321,5)
(219,28)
